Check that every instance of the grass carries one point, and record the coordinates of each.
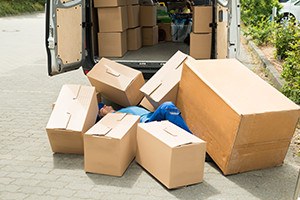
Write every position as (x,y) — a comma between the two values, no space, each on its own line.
(17,7)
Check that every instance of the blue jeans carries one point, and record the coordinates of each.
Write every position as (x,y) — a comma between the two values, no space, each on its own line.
(168,111)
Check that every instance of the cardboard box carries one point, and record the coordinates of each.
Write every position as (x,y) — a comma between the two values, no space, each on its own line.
(133,13)
(132,2)
(146,104)
(75,111)
(147,16)
(165,32)
(110,145)
(202,18)
(172,155)
(200,45)
(117,82)
(112,44)
(112,19)
(246,123)
(149,35)
(109,3)
(134,38)
(163,85)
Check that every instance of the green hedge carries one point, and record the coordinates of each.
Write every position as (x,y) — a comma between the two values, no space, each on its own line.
(254,11)
(291,66)
(16,7)
(284,37)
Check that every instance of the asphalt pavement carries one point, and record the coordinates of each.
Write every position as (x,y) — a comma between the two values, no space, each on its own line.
(29,169)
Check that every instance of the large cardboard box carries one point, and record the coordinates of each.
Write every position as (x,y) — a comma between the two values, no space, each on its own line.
(163,85)
(134,38)
(202,18)
(109,3)
(200,45)
(112,44)
(110,145)
(133,13)
(117,82)
(149,35)
(112,19)
(246,123)
(148,16)
(172,155)
(165,32)
(75,111)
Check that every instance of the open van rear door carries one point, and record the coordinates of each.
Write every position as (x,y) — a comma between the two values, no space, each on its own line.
(65,33)
(228,29)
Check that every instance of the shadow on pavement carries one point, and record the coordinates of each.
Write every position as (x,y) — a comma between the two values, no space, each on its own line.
(129,178)
(272,183)
(202,190)
(67,161)
(198,191)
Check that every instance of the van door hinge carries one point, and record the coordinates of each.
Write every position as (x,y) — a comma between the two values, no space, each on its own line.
(86,24)
(213,25)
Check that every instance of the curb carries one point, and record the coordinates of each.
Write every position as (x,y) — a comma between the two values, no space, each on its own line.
(274,74)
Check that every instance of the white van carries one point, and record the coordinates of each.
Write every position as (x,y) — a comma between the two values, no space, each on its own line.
(72,42)
(290,8)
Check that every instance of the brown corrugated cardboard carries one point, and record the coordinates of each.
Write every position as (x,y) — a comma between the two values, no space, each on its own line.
(99,97)
(112,19)
(246,123)
(146,104)
(110,145)
(134,38)
(109,3)
(132,2)
(163,85)
(172,155)
(202,18)
(112,44)
(133,13)
(165,31)
(117,82)
(149,35)
(74,113)
(200,45)
(147,16)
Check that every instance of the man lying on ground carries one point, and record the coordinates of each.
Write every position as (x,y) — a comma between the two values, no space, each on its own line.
(166,111)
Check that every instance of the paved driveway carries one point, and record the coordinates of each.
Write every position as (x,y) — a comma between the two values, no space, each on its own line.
(28,168)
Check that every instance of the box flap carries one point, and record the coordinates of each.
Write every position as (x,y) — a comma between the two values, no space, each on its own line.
(71,107)
(169,133)
(164,73)
(98,130)
(113,74)
(239,87)
(58,120)
(114,125)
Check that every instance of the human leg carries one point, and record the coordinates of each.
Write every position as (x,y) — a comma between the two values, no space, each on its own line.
(168,111)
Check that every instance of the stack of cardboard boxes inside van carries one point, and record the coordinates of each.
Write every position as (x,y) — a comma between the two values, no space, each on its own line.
(124,25)
(127,26)
(201,36)
(244,122)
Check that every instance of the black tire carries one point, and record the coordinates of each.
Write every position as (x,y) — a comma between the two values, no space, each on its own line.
(286,17)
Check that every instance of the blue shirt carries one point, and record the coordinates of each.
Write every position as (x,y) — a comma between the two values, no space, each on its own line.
(135,110)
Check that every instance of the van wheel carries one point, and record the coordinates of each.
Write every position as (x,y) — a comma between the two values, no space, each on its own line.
(286,18)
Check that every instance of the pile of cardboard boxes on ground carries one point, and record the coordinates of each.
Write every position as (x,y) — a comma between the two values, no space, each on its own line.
(124,25)
(244,122)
